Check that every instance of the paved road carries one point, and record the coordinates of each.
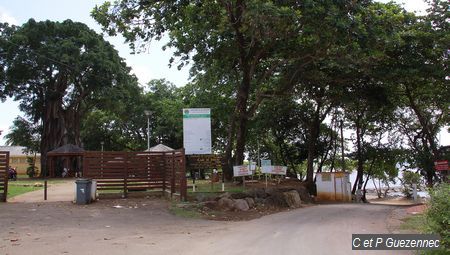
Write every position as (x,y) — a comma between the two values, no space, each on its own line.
(146,227)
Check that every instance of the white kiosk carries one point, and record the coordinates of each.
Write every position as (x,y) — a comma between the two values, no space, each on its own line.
(333,186)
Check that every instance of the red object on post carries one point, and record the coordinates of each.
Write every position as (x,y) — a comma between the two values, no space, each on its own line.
(441,165)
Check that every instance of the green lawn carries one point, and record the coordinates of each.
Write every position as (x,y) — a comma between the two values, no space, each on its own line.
(415,223)
(204,186)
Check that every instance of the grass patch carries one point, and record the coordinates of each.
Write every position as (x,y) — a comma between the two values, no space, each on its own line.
(185,210)
(25,185)
(204,186)
(415,223)
(15,190)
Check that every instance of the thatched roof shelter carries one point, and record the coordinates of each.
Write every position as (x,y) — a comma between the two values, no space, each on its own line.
(160,147)
(66,150)
(70,155)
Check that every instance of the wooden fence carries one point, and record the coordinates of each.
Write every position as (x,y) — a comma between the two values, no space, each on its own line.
(137,171)
(4,174)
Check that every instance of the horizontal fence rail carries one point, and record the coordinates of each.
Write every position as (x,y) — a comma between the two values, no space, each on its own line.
(4,174)
(137,171)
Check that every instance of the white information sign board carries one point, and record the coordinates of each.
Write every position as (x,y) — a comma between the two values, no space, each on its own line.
(252,166)
(197,131)
(266,166)
(266,162)
(241,171)
(274,170)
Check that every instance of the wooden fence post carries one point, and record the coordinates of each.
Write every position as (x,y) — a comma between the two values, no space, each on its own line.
(5,176)
(183,181)
(164,172)
(172,181)
(125,179)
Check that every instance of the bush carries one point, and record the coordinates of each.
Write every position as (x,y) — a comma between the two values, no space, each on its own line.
(32,169)
(409,178)
(438,213)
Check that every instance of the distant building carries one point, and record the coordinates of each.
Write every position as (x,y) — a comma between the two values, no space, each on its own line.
(18,158)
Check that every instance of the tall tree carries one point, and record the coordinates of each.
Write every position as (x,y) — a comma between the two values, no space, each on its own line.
(418,65)
(246,43)
(57,70)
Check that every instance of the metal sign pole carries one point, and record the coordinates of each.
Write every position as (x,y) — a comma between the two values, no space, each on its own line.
(193,182)
(45,189)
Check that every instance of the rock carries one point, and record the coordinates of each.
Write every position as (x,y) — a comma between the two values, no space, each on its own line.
(225,204)
(239,195)
(201,197)
(210,204)
(292,198)
(225,195)
(276,199)
(304,194)
(260,200)
(258,193)
(250,201)
(241,205)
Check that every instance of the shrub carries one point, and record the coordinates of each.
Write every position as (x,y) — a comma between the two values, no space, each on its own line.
(32,169)
(438,213)
(409,178)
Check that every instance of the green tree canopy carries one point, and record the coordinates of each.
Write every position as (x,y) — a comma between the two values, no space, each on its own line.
(57,70)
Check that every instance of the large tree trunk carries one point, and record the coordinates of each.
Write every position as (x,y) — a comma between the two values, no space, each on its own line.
(429,132)
(242,121)
(60,126)
(359,176)
(53,131)
(314,131)
(228,160)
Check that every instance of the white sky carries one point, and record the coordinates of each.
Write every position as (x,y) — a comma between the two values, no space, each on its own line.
(146,66)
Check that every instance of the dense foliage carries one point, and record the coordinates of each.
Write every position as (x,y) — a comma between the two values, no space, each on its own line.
(438,214)
(284,80)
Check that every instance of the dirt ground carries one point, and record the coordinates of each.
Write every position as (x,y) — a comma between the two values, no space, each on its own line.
(146,226)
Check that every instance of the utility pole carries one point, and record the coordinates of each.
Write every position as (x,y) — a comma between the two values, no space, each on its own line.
(148,114)
(342,146)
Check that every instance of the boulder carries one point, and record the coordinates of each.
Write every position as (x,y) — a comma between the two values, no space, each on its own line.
(241,205)
(239,195)
(292,198)
(209,204)
(258,193)
(276,199)
(304,194)
(225,204)
(225,195)
(250,202)
(260,200)
(200,197)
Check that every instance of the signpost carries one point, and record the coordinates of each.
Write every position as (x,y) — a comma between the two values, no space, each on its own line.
(241,171)
(197,131)
(265,163)
(441,165)
(267,168)
(281,170)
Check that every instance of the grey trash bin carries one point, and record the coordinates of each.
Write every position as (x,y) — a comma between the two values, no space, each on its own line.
(83,191)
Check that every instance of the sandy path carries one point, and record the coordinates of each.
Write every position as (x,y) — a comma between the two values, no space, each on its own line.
(60,192)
